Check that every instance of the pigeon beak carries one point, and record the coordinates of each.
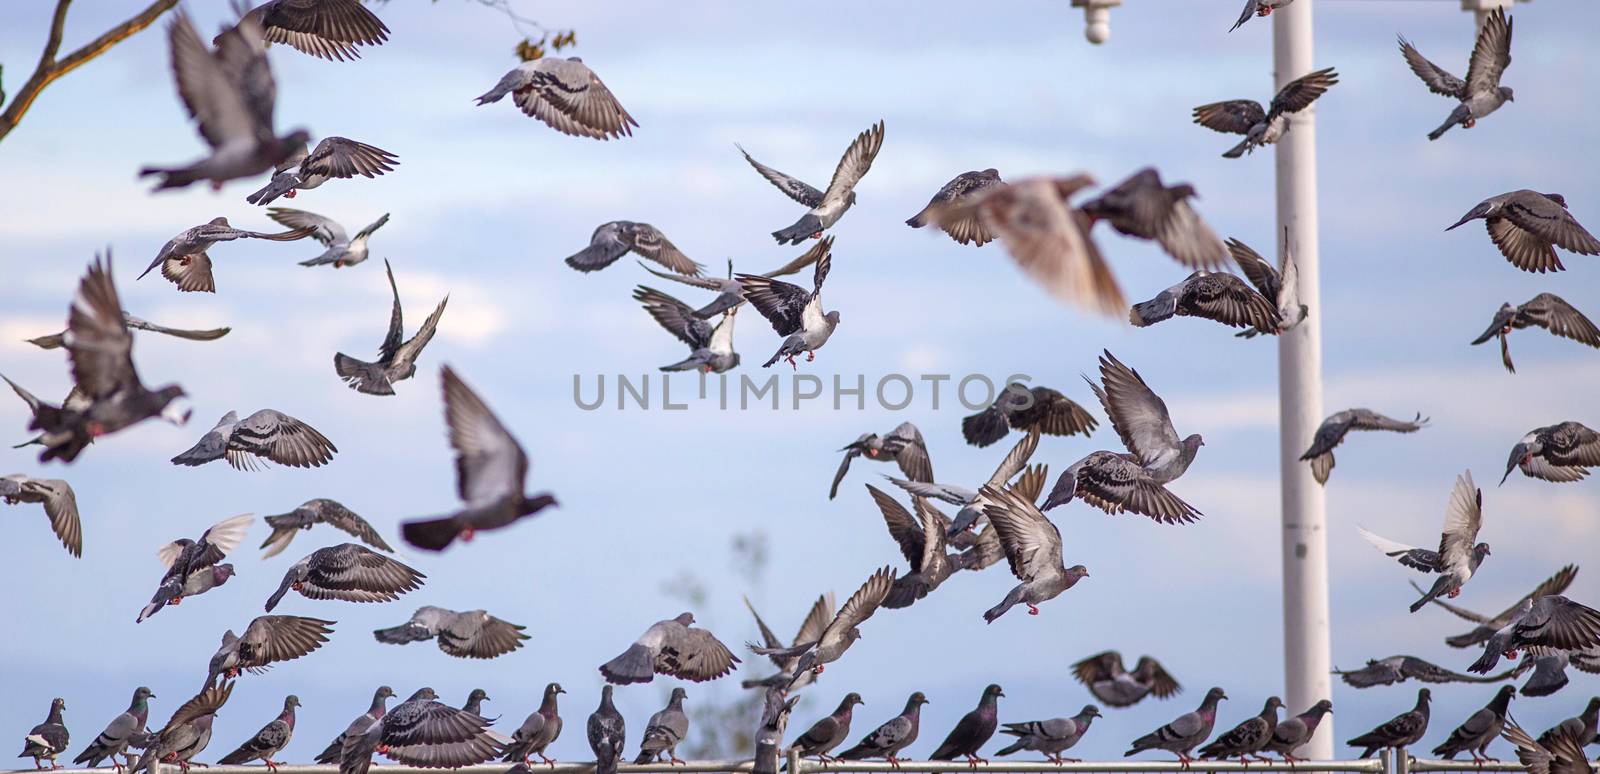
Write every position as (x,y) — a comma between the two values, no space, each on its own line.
(177,413)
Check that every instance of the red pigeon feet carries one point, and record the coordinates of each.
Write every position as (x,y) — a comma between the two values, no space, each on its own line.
(817,670)
(1033,610)
(178,600)
(1454,593)
(675,761)
(467,534)
(1471,122)
(96,429)
(810,356)
(817,235)
(290,193)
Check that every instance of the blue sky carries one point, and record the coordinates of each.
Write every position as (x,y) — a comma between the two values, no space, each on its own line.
(487,202)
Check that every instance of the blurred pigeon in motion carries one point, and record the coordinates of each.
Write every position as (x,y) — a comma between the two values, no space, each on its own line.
(472,634)
(1560,453)
(816,620)
(825,207)
(1487,626)
(776,706)
(887,740)
(615,239)
(76,401)
(1481,93)
(903,446)
(347,572)
(1480,729)
(607,734)
(424,733)
(1549,667)
(1261,8)
(59,501)
(231,95)
(566,95)
(475,700)
(1547,311)
(1332,431)
(1033,549)
(184,261)
(397,358)
(710,347)
(829,732)
(118,733)
(665,731)
(326,29)
(1280,285)
(188,732)
(973,731)
(1580,728)
(1459,552)
(841,632)
(1527,226)
(967,230)
(1111,682)
(1050,737)
(311,513)
(1215,296)
(358,726)
(59,340)
(190,563)
(342,249)
(491,469)
(1181,735)
(1146,208)
(1402,730)
(1264,126)
(730,291)
(541,729)
(1547,622)
(266,641)
(1558,751)
(267,434)
(795,313)
(921,540)
(335,158)
(1024,408)
(673,647)
(1293,733)
(1248,738)
(1398,669)
(971,502)
(267,742)
(48,739)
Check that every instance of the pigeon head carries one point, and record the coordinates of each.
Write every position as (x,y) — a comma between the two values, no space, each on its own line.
(1321,707)
(1077,571)
(220,573)
(853,635)
(1506,94)
(1194,442)
(605,695)
(141,695)
(478,694)
(384,692)
(684,619)
(553,689)
(1424,696)
(291,701)
(1481,550)
(1214,695)
(296,574)
(424,694)
(1520,453)
(678,695)
(833,318)
(1272,705)
(993,691)
(917,700)
(1089,711)
(851,199)
(57,705)
(852,698)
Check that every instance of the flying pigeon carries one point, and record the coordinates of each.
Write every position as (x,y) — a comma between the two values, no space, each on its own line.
(1551,621)
(184,259)
(1293,733)
(1481,93)
(397,358)
(333,158)
(59,501)
(795,313)
(59,340)
(1333,429)
(1023,408)
(1402,730)
(1248,738)
(567,96)
(829,732)
(1527,226)
(424,733)
(1261,8)
(268,640)
(1051,737)
(1146,208)
(1280,285)
(1264,126)
(1547,311)
(230,93)
(472,634)
(475,700)
(887,740)
(1459,552)
(342,249)
(193,566)
(983,550)
(326,29)
(922,541)
(1480,729)
(267,434)
(613,240)
(76,401)
(267,742)
(817,619)
(1398,669)
(607,734)
(1111,682)
(118,733)
(672,647)
(968,230)
(730,291)
(348,572)
(1181,735)
(1486,626)
(710,347)
(1561,453)
(538,731)
(1033,549)
(973,731)
(491,468)
(971,502)
(188,732)
(665,731)
(48,739)
(825,207)
(1558,751)
(311,513)
(1549,667)
(903,446)
(1581,728)
(1216,296)
(358,726)
(841,632)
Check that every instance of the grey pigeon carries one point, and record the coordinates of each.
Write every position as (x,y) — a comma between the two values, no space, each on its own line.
(475,700)
(311,513)
(59,340)
(1332,431)
(335,158)
(1581,728)
(829,732)
(1481,93)
(76,401)
(347,572)
(1487,626)
(1295,732)
(1051,737)
(538,731)
(184,259)
(730,291)
(342,249)
(397,356)
(1459,553)
(358,726)
(1023,408)
(1547,311)
(326,29)
(968,230)
(672,647)
(48,739)
(1248,738)
(1402,730)
(1527,226)
(231,94)
(1549,667)
(424,733)
(710,346)
(1261,8)
(1033,549)
(567,96)
(1146,208)
(267,434)
(268,640)
(607,734)
(1547,622)
(665,731)
(824,207)
(1279,285)
(267,742)
(1561,453)
(190,563)
(973,731)
(118,733)
(491,468)
(887,740)
(776,706)
(1264,126)
(1111,682)
(903,446)
(1215,296)
(472,634)
(817,619)
(921,540)
(59,501)
(613,240)
(841,632)
(1181,735)
(1480,729)
(1398,669)
(187,733)
(795,313)
(971,514)
(1558,751)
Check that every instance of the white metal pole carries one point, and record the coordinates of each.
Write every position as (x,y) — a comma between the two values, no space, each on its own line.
(1307,660)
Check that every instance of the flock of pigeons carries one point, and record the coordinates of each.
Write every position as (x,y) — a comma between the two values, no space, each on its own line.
(229,90)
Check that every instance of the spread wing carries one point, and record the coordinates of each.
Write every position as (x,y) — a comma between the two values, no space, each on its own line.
(98,341)
(854,164)
(355,574)
(345,158)
(861,605)
(781,303)
(568,96)
(1560,318)
(648,241)
(691,653)
(326,29)
(485,637)
(791,187)
(323,229)
(820,615)
(209,334)
(396,333)
(1410,556)
(1032,543)
(1439,80)
(1137,414)
(1462,518)
(273,638)
(1234,116)
(822,248)
(1491,55)
(282,439)
(212,98)
(490,465)
(906,531)
(675,316)
(1298,94)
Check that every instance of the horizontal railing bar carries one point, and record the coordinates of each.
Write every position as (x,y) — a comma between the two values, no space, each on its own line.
(1425,764)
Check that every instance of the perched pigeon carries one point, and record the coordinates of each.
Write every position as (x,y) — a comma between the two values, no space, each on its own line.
(841,632)
(268,640)
(817,619)
(903,446)
(1023,408)
(491,468)
(1480,729)
(1547,622)
(424,733)
(1546,310)
(230,93)
(922,541)
(710,347)
(730,291)
(358,726)
(1486,626)
(968,230)
(1527,226)
(472,634)
(665,731)
(607,734)
(333,158)
(59,501)
(1264,126)
(347,572)
(973,731)
(397,358)
(48,739)
(190,563)
(1216,296)
(342,249)
(1248,738)
(1561,453)
(1146,208)
(538,731)
(475,700)
(59,340)
(1181,735)
(1481,93)
(1033,549)
(795,313)
(118,733)
(188,732)
(830,731)
(1051,737)
(1402,730)
(887,740)
(1258,8)
(267,742)
(971,514)
(184,261)
(1581,728)
(825,207)
(326,29)
(1398,669)
(1459,552)
(1280,285)
(267,434)
(615,239)
(567,96)
(311,513)
(1111,682)
(1332,431)
(1293,733)
(672,647)
(1558,751)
